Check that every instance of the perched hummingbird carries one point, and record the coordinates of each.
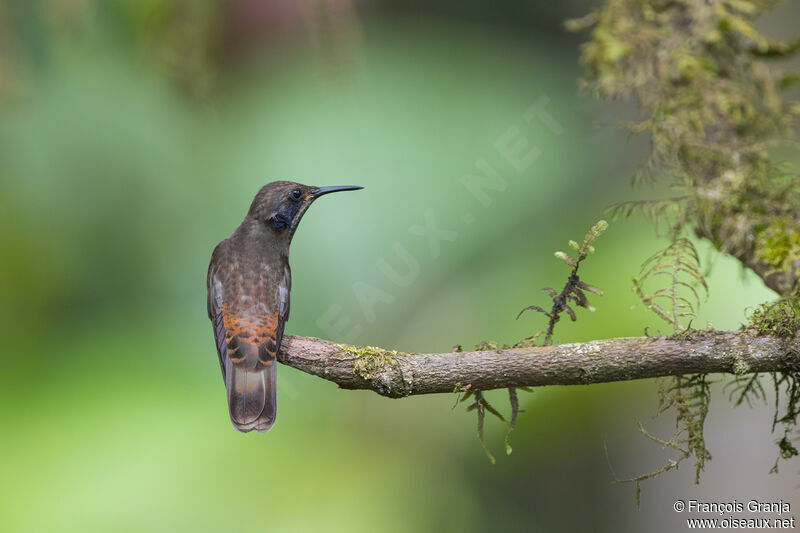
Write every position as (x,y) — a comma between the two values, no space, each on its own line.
(248,298)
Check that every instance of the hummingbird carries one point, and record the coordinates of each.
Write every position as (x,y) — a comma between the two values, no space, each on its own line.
(248,298)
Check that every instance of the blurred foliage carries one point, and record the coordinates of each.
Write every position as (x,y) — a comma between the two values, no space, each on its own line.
(181,39)
(115,184)
(133,136)
(713,109)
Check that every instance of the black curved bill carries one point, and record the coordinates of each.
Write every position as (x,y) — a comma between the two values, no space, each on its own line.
(325,190)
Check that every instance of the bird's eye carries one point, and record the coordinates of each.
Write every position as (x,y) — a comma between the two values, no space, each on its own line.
(296,194)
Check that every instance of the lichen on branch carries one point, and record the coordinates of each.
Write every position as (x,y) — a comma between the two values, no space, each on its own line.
(600,361)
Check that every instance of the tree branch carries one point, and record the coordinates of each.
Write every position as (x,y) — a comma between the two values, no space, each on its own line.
(398,375)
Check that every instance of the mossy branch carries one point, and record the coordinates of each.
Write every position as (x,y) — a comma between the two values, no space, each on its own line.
(712,107)
(396,376)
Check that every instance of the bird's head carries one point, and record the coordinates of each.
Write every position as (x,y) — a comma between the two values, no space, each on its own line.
(281,204)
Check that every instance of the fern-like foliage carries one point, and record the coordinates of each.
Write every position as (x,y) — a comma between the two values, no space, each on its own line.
(690,397)
(781,319)
(574,290)
(481,404)
(745,389)
(679,299)
(573,293)
(713,104)
(787,382)
(668,215)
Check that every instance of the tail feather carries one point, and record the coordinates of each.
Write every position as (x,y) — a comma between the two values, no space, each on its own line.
(252,395)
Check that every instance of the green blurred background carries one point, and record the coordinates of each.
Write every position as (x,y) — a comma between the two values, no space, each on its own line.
(133,136)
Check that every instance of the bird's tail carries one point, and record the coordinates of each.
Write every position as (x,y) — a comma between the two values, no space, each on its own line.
(251,395)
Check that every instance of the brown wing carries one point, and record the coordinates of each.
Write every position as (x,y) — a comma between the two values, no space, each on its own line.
(247,339)
(214,304)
